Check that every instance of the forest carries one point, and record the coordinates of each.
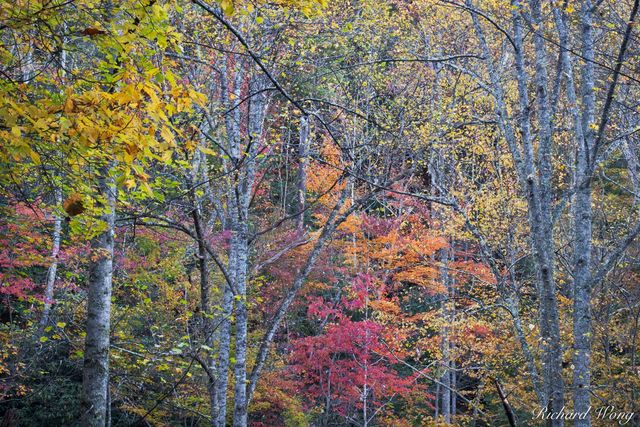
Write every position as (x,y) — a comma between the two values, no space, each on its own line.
(319,213)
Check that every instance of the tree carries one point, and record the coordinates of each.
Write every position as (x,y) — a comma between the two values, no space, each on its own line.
(305,212)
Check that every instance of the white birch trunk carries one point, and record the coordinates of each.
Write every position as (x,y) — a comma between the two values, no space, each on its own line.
(53,268)
(96,353)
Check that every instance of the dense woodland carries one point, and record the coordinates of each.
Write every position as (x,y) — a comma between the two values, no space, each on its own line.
(319,212)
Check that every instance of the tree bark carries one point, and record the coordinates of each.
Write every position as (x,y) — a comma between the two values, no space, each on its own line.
(303,153)
(96,353)
(53,268)
(240,238)
(505,404)
(219,412)
(207,323)
(582,223)
(446,344)
(534,177)
(232,125)
(544,240)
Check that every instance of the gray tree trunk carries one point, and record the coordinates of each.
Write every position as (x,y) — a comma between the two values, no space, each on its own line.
(257,109)
(95,381)
(57,225)
(303,153)
(446,344)
(232,125)
(241,317)
(582,214)
(545,240)
(582,223)
(53,268)
(207,324)
(581,209)
(219,412)
(535,180)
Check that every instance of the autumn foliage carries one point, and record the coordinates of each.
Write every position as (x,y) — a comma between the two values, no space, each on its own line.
(318,213)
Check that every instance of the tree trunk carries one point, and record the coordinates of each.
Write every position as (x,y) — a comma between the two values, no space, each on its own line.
(582,303)
(505,404)
(240,238)
(96,353)
(534,177)
(545,241)
(53,268)
(219,412)
(232,125)
(582,218)
(241,317)
(446,345)
(207,324)
(303,153)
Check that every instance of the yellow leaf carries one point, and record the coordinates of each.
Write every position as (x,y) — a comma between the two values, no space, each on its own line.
(206,150)
(35,157)
(68,105)
(227,7)
(167,135)
(147,189)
